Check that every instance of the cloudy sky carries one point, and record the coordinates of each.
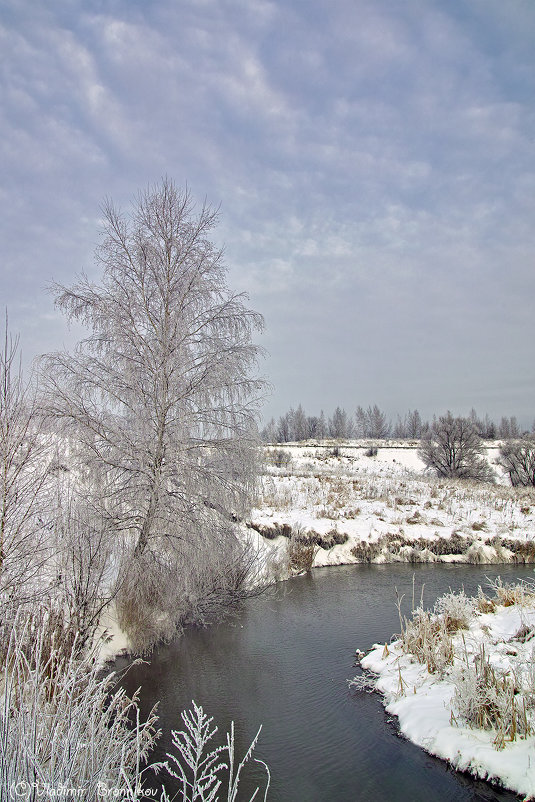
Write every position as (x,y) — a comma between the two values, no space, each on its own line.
(374,162)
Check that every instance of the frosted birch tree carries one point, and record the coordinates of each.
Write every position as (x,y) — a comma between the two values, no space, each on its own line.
(161,402)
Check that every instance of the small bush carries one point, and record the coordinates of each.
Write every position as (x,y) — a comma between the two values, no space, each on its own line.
(329,540)
(455,544)
(301,553)
(279,457)
(524,551)
(371,452)
(457,609)
(483,603)
(365,551)
(509,594)
(270,532)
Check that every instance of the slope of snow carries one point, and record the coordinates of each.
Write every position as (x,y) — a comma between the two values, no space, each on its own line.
(389,507)
(424,706)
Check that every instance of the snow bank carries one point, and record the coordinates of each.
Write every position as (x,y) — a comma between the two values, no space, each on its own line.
(387,508)
(424,702)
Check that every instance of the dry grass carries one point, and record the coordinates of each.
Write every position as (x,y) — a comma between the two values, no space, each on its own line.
(489,699)
(301,553)
(427,638)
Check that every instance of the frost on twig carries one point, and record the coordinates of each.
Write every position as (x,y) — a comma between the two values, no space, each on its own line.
(203,770)
(363,682)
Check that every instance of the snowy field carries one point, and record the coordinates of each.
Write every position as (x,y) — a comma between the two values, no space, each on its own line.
(466,694)
(356,505)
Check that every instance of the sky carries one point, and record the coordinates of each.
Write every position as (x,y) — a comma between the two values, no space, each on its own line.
(373,161)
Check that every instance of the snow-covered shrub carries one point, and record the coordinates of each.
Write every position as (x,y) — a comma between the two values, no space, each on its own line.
(456,609)
(523,551)
(64,725)
(489,699)
(279,457)
(202,770)
(366,550)
(327,541)
(483,603)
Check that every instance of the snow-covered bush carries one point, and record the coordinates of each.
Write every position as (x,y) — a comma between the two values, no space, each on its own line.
(279,457)
(510,594)
(456,609)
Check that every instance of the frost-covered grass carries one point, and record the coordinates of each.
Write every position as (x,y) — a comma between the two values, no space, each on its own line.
(64,725)
(387,508)
(203,769)
(461,680)
(68,730)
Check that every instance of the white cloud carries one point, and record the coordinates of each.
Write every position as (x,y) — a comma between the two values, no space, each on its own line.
(374,161)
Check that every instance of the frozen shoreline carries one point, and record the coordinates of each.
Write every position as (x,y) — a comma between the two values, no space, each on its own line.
(427,711)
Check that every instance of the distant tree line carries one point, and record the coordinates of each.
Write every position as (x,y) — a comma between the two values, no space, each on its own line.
(372,423)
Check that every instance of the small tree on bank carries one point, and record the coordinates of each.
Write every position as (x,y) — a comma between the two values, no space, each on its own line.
(160,400)
(453,449)
(517,458)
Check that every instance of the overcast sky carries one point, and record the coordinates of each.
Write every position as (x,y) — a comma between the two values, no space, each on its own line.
(374,163)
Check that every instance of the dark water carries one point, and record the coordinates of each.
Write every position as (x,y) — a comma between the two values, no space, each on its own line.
(284,663)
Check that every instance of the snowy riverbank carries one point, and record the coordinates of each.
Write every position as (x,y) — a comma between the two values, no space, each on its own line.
(482,675)
(374,502)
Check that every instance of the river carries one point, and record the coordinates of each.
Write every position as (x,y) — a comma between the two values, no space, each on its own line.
(284,662)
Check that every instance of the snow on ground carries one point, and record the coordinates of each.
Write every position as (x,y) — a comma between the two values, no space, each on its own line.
(389,507)
(425,705)
(110,640)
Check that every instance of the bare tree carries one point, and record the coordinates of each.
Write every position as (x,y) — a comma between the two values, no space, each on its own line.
(517,458)
(453,448)
(414,424)
(340,425)
(316,427)
(285,431)
(378,423)
(361,422)
(300,424)
(508,428)
(159,397)
(24,480)
(269,432)
(86,555)
(372,423)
